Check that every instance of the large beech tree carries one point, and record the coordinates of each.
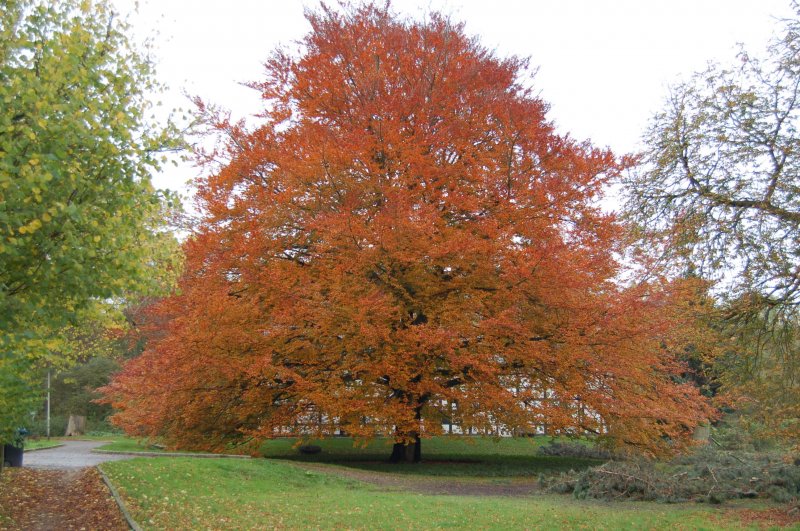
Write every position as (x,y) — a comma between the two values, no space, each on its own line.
(404,239)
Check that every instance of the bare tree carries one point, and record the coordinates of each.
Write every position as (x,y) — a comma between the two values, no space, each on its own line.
(720,180)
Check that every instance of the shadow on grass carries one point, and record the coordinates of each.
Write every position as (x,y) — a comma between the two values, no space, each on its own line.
(488,466)
(441,456)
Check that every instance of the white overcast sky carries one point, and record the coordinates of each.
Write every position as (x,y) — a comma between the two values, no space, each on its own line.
(603,65)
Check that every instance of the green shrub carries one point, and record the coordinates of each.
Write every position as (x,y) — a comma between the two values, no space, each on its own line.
(58,426)
(38,426)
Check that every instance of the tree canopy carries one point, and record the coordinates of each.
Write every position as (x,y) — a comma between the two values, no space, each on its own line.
(404,240)
(80,221)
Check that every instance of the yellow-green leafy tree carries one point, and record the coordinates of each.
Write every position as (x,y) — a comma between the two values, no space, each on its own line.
(80,221)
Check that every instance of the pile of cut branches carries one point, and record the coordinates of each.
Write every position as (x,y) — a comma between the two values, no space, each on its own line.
(576,449)
(708,475)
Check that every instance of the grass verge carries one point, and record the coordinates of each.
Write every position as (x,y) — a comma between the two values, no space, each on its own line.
(97,436)
(124,444)
(41,444)
(127,445)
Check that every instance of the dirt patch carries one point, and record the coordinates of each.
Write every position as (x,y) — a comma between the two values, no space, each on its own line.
(38,500)
(431,485)
(767,518)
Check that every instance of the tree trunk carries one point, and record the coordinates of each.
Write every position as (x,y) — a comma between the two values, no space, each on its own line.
(407,453)
(2,456)
(398,453)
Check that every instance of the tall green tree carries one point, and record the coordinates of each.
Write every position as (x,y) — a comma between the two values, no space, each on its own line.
(79,218)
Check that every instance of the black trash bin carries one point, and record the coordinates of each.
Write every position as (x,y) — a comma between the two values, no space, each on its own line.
(12,455)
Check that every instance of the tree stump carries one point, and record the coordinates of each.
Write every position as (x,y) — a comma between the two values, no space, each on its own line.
(76,426)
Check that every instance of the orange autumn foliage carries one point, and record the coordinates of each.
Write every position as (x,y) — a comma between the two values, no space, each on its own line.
(403,240)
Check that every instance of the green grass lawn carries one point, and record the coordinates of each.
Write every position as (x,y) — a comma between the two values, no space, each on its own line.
(39,444)
(442,456)
(126,444)
(185,493)
(97,436)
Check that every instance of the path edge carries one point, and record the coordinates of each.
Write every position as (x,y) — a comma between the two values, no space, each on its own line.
(42,449)
(169,454)
(121,504)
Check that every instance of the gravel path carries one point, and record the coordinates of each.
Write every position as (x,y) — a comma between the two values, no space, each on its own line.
(74,454)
